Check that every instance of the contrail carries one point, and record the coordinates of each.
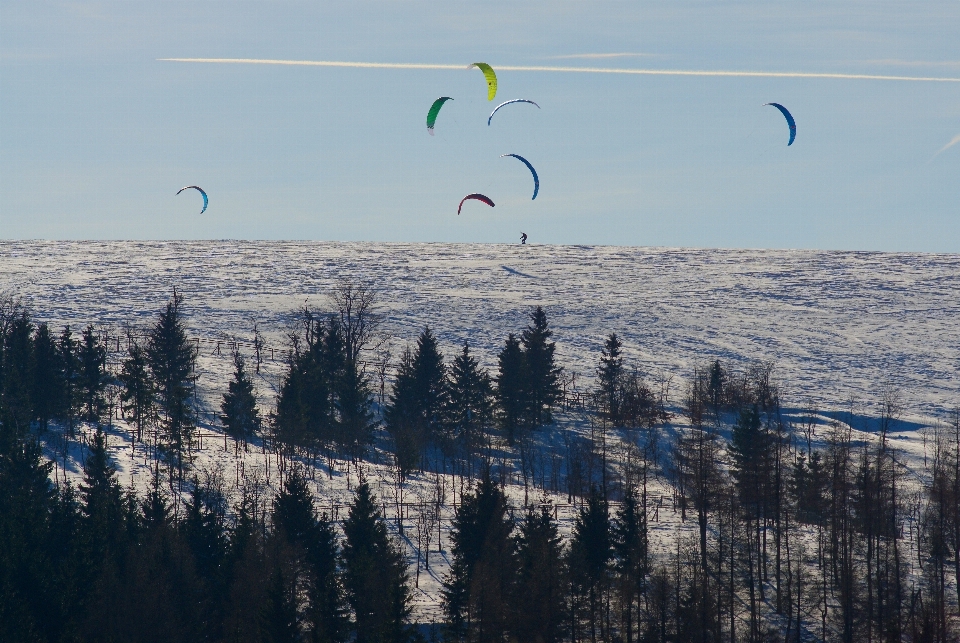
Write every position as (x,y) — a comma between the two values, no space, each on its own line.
(953,141)
(575,70)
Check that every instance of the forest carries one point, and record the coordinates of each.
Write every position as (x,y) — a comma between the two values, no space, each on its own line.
(792,525)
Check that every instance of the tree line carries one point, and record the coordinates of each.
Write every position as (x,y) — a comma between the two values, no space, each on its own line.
(799,530)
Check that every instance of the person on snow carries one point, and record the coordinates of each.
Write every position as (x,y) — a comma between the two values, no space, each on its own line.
(523,238)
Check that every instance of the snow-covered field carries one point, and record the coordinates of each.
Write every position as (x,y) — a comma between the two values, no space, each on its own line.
(839,326)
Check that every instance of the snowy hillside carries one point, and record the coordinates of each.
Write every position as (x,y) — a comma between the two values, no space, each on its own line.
(839,327)
(837,324)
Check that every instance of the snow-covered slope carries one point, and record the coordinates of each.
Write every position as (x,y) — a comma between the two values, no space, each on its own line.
(839,326)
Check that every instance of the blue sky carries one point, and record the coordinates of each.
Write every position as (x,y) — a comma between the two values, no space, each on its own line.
(97,135)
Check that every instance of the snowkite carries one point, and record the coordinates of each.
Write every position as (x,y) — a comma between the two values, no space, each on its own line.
(515,100)
(792,123)
(536,179)
(200,190)
(434,110)
(478,197)
(491,77)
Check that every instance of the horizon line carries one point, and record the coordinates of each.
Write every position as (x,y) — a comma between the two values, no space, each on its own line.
(547,68)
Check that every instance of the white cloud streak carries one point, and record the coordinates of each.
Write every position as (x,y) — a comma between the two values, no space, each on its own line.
(953,141)
(619,55)
(576,70)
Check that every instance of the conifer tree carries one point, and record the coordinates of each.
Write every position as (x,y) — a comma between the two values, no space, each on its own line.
(70,367)
(539,595)
(279,616)
(477,591)
(314,550)
(241,418)
(610,379)
(354,405)
(718,380)
(171,363)
(16,404)
(469,401)
(138,393)
(631,556)
(289,421)
(101,502)
(402,416)
(430,381)
(93,375)
(26,499)
(205,533)
(512,386)
(544,375)
(375,574)
(589,557)
(48,391)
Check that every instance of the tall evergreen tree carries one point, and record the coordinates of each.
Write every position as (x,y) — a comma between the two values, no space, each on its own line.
(539,595)
(718,380)
(313,549)
(171,362)
(544,375)
(48,385)
(375,574)
(279,613)
(354,405)
(137,394)
(402,416)
(241,418)
(469,401)
(632,560)
(101,504)
(589,558)
(610,379)
(16,405)
(93,375)
(430,378)
(477,592)
(68,350)
(27,577)
(512,385)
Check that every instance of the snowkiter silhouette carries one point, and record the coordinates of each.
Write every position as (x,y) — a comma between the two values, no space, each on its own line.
(523,238)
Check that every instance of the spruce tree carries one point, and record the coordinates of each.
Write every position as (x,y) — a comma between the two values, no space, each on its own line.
(477,591)
(48,393)
(279,622)
(610,379)
(375,575)
(171,362)
(70,367)
(718,380)
(241,418)
(543,374)
(631,559)
(101,502)
(402,416)
(313,544)
(93,375)
(137,393)
(539,595)
(469,401)
(27,581)
(16,405)
(289,421)
(512,385)
(354,402)
(430,382)
(589,557)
